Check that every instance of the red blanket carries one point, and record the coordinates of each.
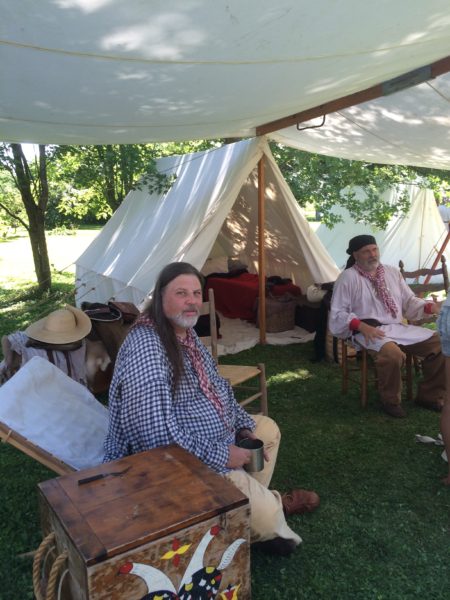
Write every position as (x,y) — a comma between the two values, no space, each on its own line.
(236,297)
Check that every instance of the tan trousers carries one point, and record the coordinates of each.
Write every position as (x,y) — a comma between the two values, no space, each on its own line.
(267,519)
(390,360)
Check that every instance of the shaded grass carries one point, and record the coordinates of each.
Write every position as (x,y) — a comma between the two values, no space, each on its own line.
(382,531)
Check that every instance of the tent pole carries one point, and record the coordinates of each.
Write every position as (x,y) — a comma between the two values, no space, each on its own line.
(261,252)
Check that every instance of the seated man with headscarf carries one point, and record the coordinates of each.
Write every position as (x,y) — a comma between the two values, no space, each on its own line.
(371,303)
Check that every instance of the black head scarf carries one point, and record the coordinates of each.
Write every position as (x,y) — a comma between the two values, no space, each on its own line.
(356,243)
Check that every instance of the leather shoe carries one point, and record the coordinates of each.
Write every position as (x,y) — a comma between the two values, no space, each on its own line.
(278,546)
(394,410)
(435,405)
(298,502)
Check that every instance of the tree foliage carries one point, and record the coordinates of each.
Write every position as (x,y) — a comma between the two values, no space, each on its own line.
(12,209)
(96,179)
(327,182)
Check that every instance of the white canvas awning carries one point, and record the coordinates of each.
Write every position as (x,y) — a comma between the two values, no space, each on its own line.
(105,71)
(411,127)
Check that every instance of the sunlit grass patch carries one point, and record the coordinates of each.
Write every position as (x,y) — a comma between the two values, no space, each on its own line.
(21,303)
(13,284)
(290,376)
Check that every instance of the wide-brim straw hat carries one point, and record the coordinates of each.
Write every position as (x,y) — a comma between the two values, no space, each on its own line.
(62,326)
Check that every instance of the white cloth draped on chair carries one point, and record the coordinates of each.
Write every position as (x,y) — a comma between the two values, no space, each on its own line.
(54,413)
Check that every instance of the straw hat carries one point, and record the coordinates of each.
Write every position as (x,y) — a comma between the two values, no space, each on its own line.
(62,326)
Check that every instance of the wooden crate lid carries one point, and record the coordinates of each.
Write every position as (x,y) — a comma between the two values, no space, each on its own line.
(164,490)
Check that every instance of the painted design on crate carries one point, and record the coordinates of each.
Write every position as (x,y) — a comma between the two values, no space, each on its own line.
(198,582)
(231,593)
(176,552)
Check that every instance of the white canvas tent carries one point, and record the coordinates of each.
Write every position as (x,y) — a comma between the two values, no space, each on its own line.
(415,238)
(211,208)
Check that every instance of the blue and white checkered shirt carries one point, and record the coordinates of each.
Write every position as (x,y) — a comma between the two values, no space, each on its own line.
(145,413)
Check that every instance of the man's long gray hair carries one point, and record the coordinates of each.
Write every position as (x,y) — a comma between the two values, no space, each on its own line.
(163,326)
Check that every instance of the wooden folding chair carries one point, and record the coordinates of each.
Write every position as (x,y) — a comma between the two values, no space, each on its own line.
(52,418)
(249,382)
(7,435)
(358,368)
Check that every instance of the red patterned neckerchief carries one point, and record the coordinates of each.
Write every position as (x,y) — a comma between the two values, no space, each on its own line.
(379,282)
(196,359)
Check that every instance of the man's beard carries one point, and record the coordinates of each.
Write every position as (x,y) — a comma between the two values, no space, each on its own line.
(185,322)
(370,265)
(373,264)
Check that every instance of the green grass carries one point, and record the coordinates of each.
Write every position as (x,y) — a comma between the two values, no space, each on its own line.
(382,531)
(20,531)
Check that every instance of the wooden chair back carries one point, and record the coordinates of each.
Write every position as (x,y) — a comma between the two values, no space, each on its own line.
(420,288)
(237,375)
(209,308)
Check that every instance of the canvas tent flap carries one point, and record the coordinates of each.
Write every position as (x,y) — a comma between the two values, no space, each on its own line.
(291,247)
(212,203)
(414,238)
(78,72)
(54,412)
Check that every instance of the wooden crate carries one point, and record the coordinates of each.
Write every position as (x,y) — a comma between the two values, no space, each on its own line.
(168,523)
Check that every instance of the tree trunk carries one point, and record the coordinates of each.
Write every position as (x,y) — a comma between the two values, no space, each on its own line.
(35,212)
(107,159)
(40,253)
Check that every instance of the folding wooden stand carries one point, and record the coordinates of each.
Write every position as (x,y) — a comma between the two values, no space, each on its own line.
(50,461)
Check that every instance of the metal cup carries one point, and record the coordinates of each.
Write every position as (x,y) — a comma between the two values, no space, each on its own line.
(256,448)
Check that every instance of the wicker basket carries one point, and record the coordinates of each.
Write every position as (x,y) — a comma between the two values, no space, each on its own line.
(280,314)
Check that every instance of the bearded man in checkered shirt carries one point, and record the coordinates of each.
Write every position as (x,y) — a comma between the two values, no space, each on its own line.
(166,390)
